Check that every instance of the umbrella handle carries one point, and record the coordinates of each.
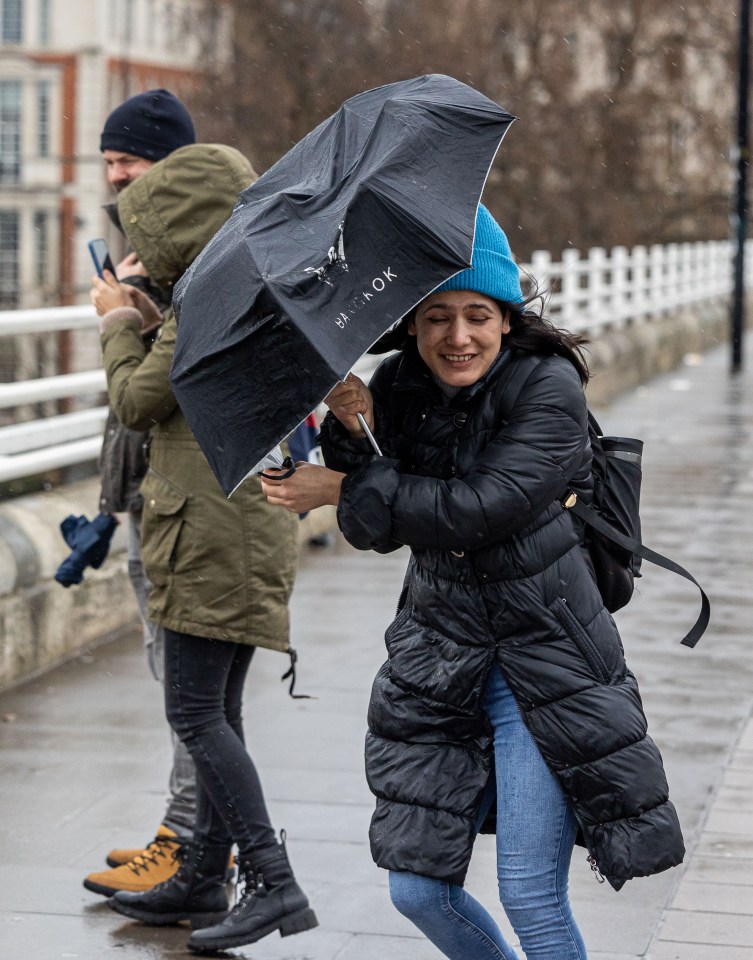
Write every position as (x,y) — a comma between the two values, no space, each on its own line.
(369,435)
(287,464)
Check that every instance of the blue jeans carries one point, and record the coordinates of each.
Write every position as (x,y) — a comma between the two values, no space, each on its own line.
(535,838)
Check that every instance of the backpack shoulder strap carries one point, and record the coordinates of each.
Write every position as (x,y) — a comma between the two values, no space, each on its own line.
(521,370)
(589,516)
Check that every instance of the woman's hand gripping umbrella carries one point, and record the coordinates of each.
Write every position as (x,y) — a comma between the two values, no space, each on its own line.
(309,485)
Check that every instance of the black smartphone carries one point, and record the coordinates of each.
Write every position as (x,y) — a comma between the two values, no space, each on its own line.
(101,257)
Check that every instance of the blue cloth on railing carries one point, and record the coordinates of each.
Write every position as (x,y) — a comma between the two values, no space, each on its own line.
(303,439)
(89,540)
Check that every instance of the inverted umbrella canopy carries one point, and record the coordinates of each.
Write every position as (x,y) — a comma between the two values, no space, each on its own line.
(350,229)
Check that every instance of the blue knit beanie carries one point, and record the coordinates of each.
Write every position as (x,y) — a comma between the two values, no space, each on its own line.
(493,271)
(149,125)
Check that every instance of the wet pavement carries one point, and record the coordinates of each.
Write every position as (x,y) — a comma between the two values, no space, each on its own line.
(84,750)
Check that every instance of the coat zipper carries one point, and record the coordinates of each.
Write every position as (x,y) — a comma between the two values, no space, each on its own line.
(590,858)
(595,867)
(593,657)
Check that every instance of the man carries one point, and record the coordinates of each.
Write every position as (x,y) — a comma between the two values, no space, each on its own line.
(137,134)
(142,130)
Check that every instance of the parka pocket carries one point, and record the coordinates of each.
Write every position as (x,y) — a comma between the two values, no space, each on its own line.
(162,523)
(579,635)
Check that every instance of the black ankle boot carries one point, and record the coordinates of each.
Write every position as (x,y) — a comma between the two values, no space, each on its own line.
(271,900)
(197,892)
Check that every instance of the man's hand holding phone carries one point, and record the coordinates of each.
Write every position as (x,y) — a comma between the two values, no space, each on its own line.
(130,266)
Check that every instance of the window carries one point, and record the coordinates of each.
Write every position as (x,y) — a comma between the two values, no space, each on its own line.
(41,244)
(150,19)
(43,118)
(12,22)
(8,259)
(169,15)
(45,22)
(10,131)
(129,19)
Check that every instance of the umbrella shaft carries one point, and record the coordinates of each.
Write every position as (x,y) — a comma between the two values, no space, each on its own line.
(369,435)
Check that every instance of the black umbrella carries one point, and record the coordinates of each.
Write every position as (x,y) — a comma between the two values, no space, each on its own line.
(335,243)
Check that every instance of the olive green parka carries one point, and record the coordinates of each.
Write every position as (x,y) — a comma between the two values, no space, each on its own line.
(219,568)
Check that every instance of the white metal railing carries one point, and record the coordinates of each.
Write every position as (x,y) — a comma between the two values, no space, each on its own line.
(585,294)
(620,286)
(51,388)
(52,431)
(47,320)
(31,447)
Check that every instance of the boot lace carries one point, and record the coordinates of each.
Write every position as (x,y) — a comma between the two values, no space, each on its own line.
(161,848)
(248,884)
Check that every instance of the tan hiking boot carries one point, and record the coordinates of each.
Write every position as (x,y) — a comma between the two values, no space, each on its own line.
(119,857)
(157,863)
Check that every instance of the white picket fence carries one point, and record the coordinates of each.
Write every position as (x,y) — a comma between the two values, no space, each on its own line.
(584,294)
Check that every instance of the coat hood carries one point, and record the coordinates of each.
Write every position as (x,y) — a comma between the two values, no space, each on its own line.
(170,213)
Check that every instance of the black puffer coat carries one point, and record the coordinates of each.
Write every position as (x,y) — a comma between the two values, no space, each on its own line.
(497,570)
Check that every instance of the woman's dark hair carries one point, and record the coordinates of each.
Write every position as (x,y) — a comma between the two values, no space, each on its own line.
(530,332)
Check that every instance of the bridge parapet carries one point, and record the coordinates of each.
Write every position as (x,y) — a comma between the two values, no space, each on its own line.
(643,311)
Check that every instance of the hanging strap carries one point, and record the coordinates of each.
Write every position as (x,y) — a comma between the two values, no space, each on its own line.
(589,516)
(287,465)
(290,672)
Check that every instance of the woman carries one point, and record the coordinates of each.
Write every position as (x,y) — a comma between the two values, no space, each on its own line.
(506,695)
(221,570)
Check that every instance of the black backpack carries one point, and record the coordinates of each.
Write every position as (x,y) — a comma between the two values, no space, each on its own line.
(612,522)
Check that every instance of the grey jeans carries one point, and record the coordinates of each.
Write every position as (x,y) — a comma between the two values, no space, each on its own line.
(180,814)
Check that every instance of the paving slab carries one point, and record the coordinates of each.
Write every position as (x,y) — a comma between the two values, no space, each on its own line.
(663,950)
(705,927)
(721,870)
(712,897)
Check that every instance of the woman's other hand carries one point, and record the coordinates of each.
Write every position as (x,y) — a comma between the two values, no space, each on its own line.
(309,487)
(107,294)
(349,398)
(151,317)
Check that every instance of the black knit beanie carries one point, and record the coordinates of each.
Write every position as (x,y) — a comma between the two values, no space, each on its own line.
(149,125)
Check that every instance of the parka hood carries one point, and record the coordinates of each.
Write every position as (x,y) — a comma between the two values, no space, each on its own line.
(170,213)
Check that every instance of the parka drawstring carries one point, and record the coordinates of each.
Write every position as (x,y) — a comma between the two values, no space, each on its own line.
(290,672)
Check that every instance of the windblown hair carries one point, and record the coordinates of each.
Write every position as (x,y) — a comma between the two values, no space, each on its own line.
(532,332)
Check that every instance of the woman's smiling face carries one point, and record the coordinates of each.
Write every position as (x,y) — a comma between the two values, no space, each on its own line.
(459,334)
